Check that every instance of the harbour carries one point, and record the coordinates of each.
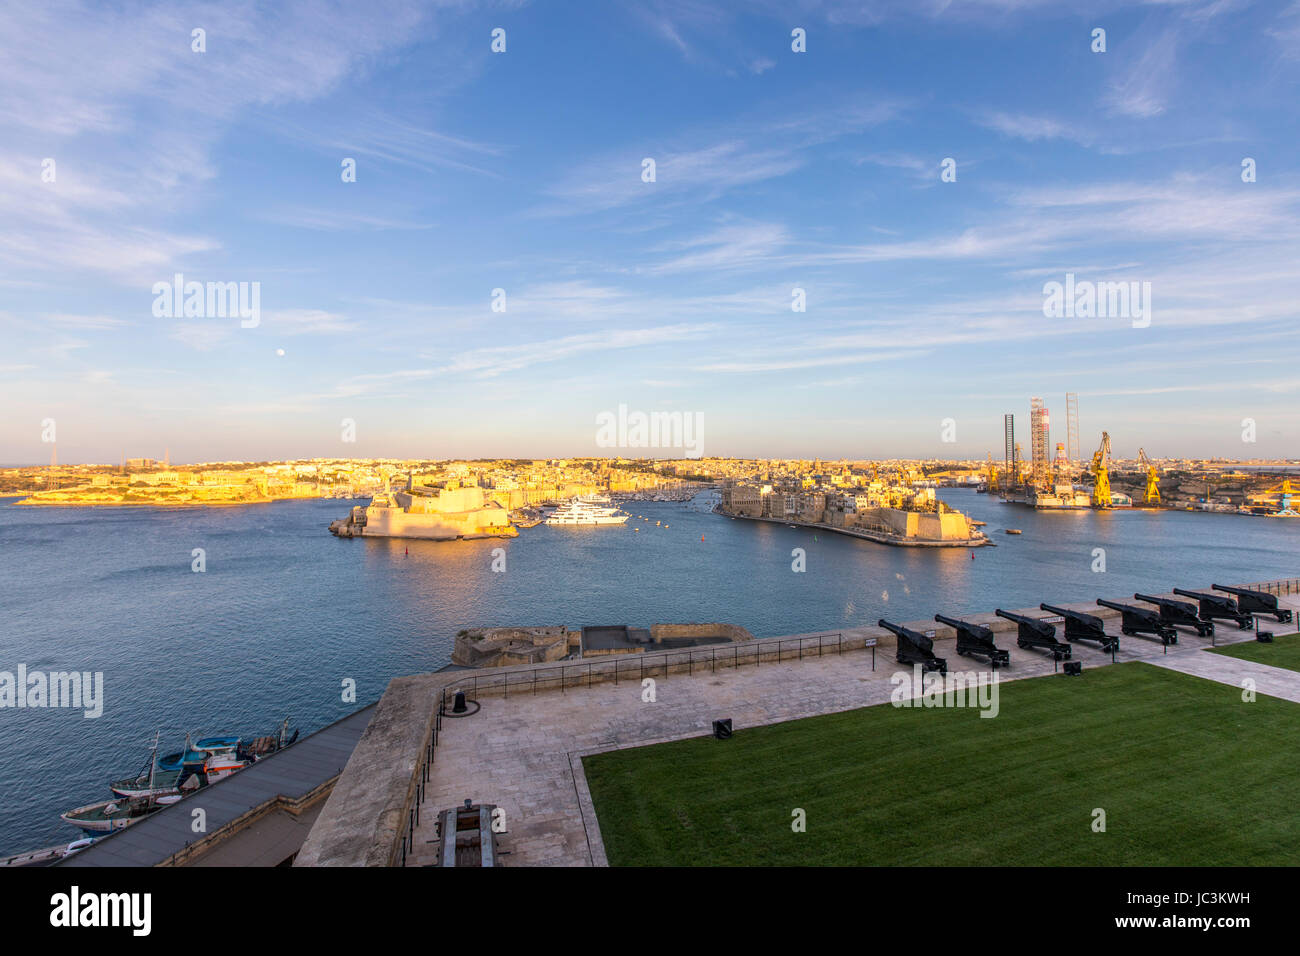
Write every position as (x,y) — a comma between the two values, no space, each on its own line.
(284,613)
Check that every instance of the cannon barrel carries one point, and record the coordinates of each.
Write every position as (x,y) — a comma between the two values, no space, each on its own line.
(1263,597)
(1167,602)
(976,640)
(1218,605)
(1179,612)
(1144,612)
(1218,600)
(1256,602)
(897,628)
(1080,626)
(918,639)
(1151,599)
(976,629)
(1081,616)
(1031,632)
(915,648)
(1033,623)
(1138,619)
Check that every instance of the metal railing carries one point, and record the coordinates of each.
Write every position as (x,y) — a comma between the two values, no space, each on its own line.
(423,773)
(1285,586)
(616,667)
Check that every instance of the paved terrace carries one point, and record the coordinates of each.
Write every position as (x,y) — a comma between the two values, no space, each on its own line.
(523,749)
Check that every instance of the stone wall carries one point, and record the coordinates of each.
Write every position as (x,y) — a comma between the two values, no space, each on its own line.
(732,632)
(508,646)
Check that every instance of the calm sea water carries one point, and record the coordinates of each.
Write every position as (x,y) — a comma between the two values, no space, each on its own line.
(285,612)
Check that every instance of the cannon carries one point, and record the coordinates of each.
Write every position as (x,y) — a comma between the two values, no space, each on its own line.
(915,648)
(1216,605)
(1141,620)
(1084,627)
(1256,602)
(975,640)
(1178,612)
(1031,632)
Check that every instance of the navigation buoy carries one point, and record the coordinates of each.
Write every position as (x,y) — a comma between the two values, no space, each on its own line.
(408,552)
(972,555)
(701,537)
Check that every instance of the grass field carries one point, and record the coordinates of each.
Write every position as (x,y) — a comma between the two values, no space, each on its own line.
(1283,652)
(1187,773)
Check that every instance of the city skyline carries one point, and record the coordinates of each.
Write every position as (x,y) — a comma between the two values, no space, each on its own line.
(523,171)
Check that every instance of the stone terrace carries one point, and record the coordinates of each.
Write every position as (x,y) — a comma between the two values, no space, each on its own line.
(523,751)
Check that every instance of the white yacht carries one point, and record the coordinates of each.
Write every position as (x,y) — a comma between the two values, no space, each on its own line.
(583,511)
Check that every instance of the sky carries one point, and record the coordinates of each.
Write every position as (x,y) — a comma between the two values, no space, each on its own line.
(523,171)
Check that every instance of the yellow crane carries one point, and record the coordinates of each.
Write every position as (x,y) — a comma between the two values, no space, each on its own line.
(1100,469)
(1284,491)
(1153,487)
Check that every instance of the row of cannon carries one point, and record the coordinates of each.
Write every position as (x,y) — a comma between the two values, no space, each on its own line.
(1160,621)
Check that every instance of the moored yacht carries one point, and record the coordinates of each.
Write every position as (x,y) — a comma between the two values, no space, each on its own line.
(583,511)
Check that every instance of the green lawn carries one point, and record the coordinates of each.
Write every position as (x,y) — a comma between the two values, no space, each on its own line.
(1283,652)
(1187,773)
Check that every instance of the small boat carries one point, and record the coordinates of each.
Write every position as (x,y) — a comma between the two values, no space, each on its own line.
(109,815)
(202,762)
(154,779)
(1013,531)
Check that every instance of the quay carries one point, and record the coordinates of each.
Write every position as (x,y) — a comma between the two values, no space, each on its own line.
(257,817)
(978,540)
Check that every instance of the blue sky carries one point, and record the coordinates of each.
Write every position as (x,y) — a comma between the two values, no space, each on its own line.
(522,171)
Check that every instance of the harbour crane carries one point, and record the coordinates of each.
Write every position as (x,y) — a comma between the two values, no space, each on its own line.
(1100,469)
(1285,491)
(990,474)
(1153,487)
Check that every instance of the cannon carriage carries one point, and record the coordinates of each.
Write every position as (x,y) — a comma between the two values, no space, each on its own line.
(975,640)
(1031,632)
(915,648)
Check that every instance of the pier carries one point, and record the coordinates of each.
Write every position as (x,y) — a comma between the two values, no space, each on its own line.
(879,535)
(256,817)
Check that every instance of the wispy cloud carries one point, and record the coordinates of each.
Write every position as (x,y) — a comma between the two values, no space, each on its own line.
(1143,86)
(497,360)
(1035,128)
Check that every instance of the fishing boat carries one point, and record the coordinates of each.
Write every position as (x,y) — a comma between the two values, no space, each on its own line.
(203,761)
(156,778)
(109,815)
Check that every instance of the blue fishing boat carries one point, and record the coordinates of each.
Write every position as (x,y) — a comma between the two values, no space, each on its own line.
(203,761)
